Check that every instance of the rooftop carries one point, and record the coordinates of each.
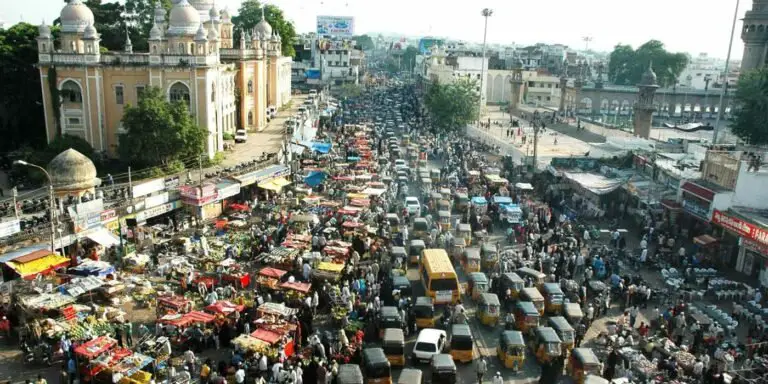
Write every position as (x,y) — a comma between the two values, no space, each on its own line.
(758,216)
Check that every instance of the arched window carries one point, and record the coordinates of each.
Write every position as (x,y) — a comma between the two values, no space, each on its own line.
(44,49)
(181,47)
(250,87)
(154,48)
(71,93)
(179,92)
(88,48)
(250,118)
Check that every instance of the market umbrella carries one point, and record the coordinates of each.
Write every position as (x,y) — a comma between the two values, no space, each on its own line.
(315,178)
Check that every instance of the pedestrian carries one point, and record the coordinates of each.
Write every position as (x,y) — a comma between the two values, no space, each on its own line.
(481,368)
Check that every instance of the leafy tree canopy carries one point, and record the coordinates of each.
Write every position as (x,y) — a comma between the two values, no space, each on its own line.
(249,15)
(751,112)
(626,65)
(364,42)
(453,105)
(21,106)
(159,132)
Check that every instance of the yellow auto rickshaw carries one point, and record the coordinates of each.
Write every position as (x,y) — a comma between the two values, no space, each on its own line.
(443,369)
(538,278)
(581,363)
(424,312)
(511,350)
(564,331)
(399,252)
(393,344)
(488,309)
(389,317)
(422,163)
(553,297)
(490,256)
(526,316)
(444,219)
(573,313)
(461,201)
(410,376)
(461,343)
(420,228)
(546,345)
(471,260)
(446,194)
(464,232)
(457,249)
(394,222)
(377,369)
(349,374)
(513,283)
(434,174)
(533,295)
(477,284)
(414,251)
(434,199)
(444,205)
(426,184)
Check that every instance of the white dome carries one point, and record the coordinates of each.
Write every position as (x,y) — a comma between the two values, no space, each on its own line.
(213,13)
(44,30)
(155,33)
(263,26)
(75,17)
(184,19)
(201,34)
(90,32)
(213,33)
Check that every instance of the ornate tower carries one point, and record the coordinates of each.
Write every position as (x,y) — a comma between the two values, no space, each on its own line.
(563,88)
(578,84)
(644,107)
(517,85)
(754,33)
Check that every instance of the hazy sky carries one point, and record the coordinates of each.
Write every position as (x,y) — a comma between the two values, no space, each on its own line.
(692,26)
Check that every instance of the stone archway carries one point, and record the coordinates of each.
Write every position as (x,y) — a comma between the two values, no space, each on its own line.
(72,109)
(585,105)
(605,106)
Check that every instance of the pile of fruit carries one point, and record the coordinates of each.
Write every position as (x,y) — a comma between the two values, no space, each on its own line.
(96,327)
(339,312)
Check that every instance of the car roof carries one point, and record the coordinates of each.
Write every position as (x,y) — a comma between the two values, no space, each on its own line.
(429,335)
(408,198)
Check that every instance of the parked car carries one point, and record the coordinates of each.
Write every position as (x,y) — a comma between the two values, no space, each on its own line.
(241,136)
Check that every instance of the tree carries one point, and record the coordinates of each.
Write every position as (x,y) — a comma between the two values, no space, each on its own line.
(159,132)
(21,105)
(364,42)
(626,66)
(140,17)
(453,105)
(751,109)
(249,15)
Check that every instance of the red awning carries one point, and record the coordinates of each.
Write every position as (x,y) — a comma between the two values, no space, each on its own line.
(671,204)
(266,336)
(697,190)
(224,307)
(272,272)
(704,240)
(296,286)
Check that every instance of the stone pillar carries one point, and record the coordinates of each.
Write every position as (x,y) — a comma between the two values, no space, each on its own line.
(644,108)
(517,87)
(563,86)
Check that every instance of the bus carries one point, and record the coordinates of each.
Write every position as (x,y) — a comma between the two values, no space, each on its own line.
(439,277)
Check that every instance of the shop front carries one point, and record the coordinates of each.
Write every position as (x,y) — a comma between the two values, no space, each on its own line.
(697,197)
(272,178)
(752,259)
(201,199)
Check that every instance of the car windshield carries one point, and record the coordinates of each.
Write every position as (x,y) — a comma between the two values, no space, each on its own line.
(425,347)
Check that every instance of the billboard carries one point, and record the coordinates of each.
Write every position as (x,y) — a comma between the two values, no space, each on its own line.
(335,25)
(426,44)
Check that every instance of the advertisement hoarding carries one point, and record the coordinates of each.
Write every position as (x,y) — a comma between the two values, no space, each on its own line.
(335,25)
(10,227)
(148,187)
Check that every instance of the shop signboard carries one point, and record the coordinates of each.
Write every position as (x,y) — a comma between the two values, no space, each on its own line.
(335,25)
(94,219)
(741,227)
(154,201)
(198,196)
(148,187)
(172,182)
(263,175)
(696,209)
(156,211)
(10,227)
(228,190)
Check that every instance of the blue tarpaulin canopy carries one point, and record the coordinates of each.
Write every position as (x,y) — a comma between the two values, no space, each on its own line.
(320,147)
(513,208)
(502,200)
(315,178)
(353,158)
(479,200)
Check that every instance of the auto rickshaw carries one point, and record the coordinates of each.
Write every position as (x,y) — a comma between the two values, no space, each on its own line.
(581,363)
(389,317)
(446,194)
(488,309)
(546,344)
(464,232)
(420,228)
(349,374)
(444,218)
(443,369)
(526,316)
(471,260)
(399,252)
(424,312)
(394,222)
(426,184)
(461,343)
(490,256)
(401,173)
(539,278)
(434,199)
(461,201)
(422,163)
(514,283)
(457,249)
(414,250)
(573,313)
(410,376)
(511,350)
(376,366)
(553,297)
(533,295)
(564,331)
(393,344)
(477,284)
(402,284)
(434,174)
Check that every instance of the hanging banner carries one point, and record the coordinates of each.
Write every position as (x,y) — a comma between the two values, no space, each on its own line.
(740,227)
(148,187)
(10,227)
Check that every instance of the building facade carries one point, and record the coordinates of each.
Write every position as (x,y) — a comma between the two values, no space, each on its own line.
(192,57)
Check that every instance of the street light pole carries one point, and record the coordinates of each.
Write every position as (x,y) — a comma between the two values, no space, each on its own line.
(52,202)
(487,12)
(725,85)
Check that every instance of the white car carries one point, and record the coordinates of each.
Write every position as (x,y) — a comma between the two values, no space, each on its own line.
(413,206)
(241,136)
(400,164)
(430,342)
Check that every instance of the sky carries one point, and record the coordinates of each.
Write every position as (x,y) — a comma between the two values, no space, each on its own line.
(693,26)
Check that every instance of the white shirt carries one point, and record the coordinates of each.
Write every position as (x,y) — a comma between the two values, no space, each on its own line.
(644,255)
(240,376)
(643,244)
(698,368)
(189,356)
(276,369)
(263,363)
(498,380)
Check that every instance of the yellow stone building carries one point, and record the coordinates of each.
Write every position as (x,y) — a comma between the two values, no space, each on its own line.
(192,57)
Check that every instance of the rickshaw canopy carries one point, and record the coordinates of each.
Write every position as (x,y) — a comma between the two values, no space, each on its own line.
(585,356)
(443,362)
(547,335)
(560,324)
(527,308)
(479,200)
(573,310)
(420,224)
(389,313)
(478,278)
(393,219)
(375,358)
(489,299)
(398,251)
(464,227)
(393,336)
(424,301)
(533,294)
(489,249)
(410,376)
(462,196)
(514,338)
(444,214)
(513,278)
(401,282)
(531,272)
(349,374)
(502,200)
(552,289)
(524,186)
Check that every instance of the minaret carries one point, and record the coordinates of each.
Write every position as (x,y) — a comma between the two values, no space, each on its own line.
(563,87)
(517,85)
(128,44)
(754,34)
(644,107)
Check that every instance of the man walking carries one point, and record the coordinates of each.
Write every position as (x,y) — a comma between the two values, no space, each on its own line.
(481,368)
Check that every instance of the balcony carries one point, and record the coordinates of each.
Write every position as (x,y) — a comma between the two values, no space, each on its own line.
(124,59)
